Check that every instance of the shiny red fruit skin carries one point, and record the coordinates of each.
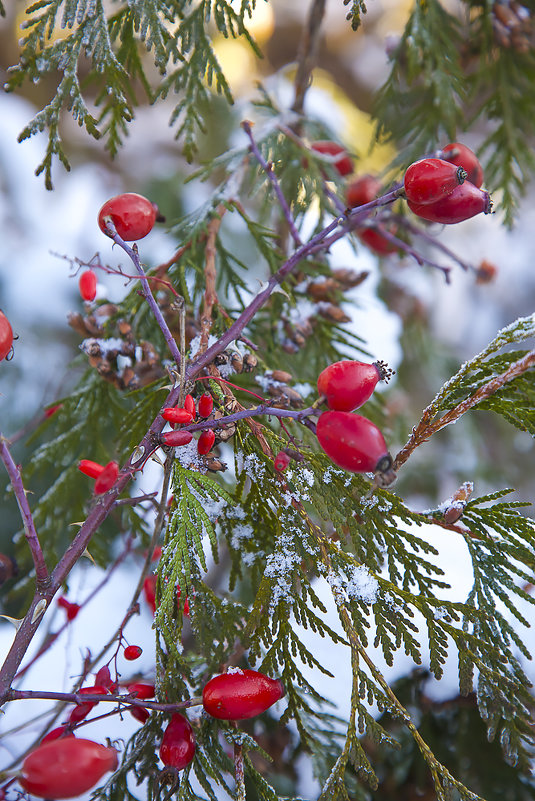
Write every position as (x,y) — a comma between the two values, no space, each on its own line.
(132,215)
(176,438)
(66,768)
(103,677)
(89,468)
(377,242)
(142,691)
(240,694)
(362,190)
(55,734)
(107,478)
(347,385)
(352,442)
(178,743)
(132,652)
(205,441)
(189,405)
(281,461)
(176,415)
(149,591)
(88,285)
(429,180)
(462,156)
(343,164)
(70,608)
(139,713)
(205,405)
(6,336)
(464,202)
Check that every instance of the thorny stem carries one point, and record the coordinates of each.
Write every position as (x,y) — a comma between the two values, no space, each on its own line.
(110,698)
(41,571)
(308,49)
(149,297)
(427,427)
(264,410)
(268,169)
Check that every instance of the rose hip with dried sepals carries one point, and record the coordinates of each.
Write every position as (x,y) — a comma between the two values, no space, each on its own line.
(205,442)
(132,652)
(66,767)
(463,203)
(429,180)
(205,405)
(240,694)
(6,336)
(177,748)
(462,156)
(281,461)
(132,215)
(354,443)
(88,285)
(346,385)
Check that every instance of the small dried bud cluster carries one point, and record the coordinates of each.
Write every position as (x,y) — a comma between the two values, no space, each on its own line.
(512,25)
(275,383)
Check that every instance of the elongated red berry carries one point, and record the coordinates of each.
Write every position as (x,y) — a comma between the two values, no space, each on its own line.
(189,405)
(462,156)
(281,461)
(88,285)
(464,202)
(205,442)
(70,608)
(132,652)
(178,743)
(66,767)
(149,591)
(132,215)
(81,711)
(139,713)
(429,180)
(352,442)
(342,163)
(176,415)
(55,734)
(346,385)
(107,478)
(6,336)
(176,438)
(89,468)
(362,190)
(240,694)
(103,677)
(205,405)
(377,241)
(142,691)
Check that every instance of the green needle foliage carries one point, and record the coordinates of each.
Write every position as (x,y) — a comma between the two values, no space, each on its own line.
(249,553)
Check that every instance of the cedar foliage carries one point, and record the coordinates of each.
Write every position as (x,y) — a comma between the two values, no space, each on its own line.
(278,535)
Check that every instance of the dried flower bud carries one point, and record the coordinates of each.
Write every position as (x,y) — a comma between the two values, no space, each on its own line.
(349,278)
(333,313)
(281,375)
(214,464)
(236,361)
(249,362)
(324,290)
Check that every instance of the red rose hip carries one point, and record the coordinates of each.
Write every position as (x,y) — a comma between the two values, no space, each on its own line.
(132,652)
(463,203)
(107,478)
(462,156)
(347,385)
(177,415)
(205,405)
(353,443)
(205,442)
(6,336)
(176,438)
(132,215)
(240,694)
(178,743)
(66,768)
(88,285)
(429,180)
(342,163)
(281,461)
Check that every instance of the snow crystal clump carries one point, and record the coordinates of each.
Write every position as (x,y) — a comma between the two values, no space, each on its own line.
(440,613)
(195,344)
(362,586)
(279,567)
(187,456)
(254,468)
(233,670)
(240,533)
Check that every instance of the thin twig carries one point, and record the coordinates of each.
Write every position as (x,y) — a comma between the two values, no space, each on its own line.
(308,49)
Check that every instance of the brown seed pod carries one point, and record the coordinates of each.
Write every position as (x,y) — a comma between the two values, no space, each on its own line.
(249,362)
(236,361)
(333,313)
(281,375)
(222,358)
(293,396)
(349,278)
(324,290)
(214,464)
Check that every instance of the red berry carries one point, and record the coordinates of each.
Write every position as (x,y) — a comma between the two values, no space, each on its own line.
(88,285)
(132,652)
(89,468)
(103,677)
(240,694)
(205,441)
(6,336)
(66,768)
(132,215)
(353,442)
(71,609)
(81,711)
(281,461)
(176,438)
(178,743)
(139,713)
(463,157)
(362,190)
(55,734)
(464,202)
(343,164)
(376,241)
(429,180)
(176,415)
(149,591)
(346,385)
(206,404)
(142,691)
(107,478)
(189,404)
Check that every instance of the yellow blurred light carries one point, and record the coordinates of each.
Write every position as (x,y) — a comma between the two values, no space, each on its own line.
(237,61)
(21,32)
(262,21)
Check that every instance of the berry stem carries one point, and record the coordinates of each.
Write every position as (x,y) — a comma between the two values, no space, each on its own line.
(41,571)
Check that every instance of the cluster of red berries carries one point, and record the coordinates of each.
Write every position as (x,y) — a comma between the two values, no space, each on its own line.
(351,441)
(184,415)
(64,766)
(105,475)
